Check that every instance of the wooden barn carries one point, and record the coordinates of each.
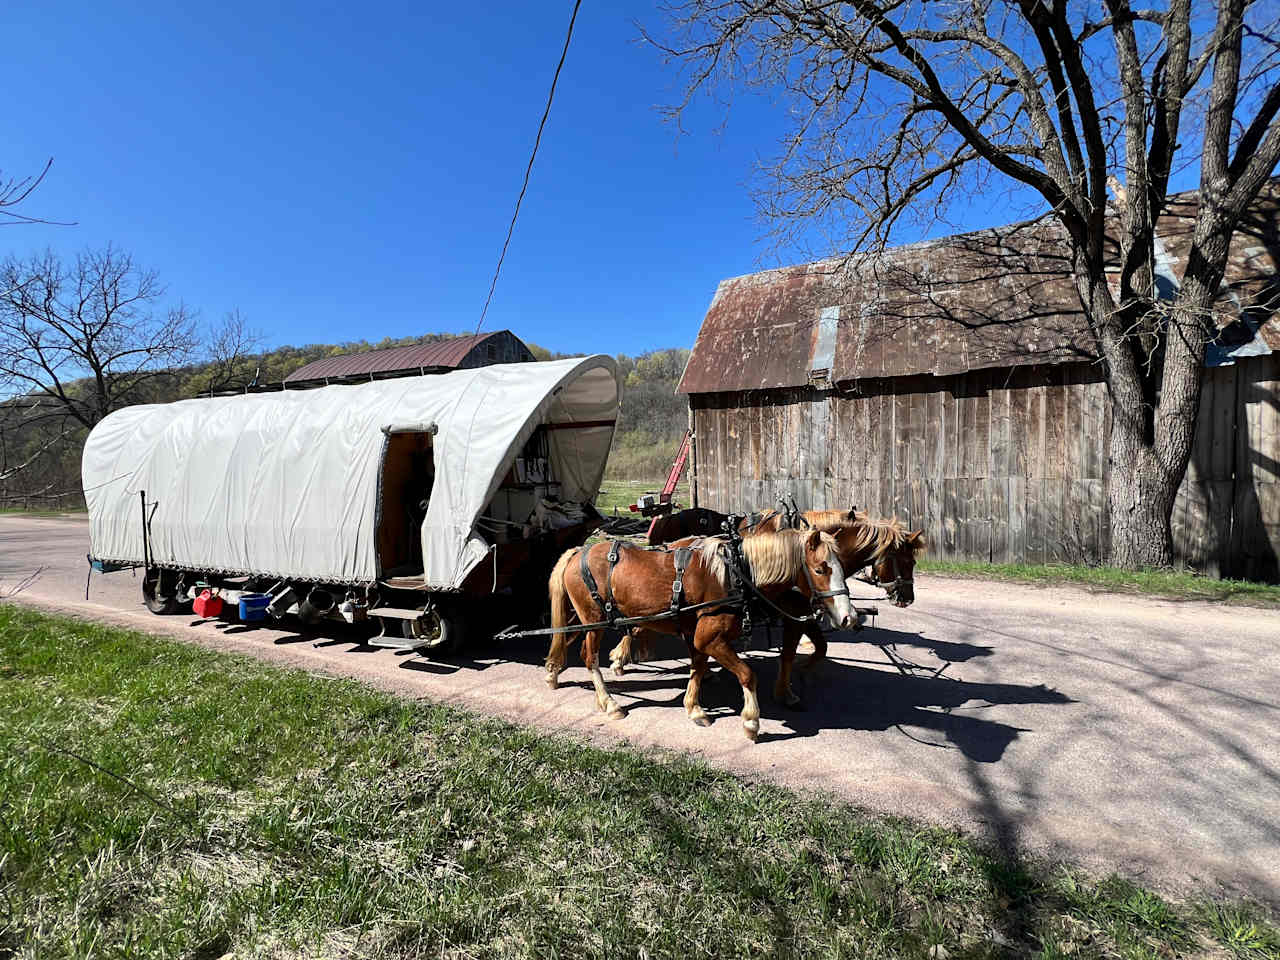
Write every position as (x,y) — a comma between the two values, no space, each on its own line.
(952,383)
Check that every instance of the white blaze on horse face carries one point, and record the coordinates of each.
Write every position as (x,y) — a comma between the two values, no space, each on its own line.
(839,609)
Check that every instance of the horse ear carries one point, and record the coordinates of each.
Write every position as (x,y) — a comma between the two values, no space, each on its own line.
(916,540)
(853,512)
(812,541)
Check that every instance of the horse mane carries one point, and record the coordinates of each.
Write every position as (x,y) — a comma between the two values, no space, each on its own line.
(879,535)
(712,560)
(828,521)
(779,557)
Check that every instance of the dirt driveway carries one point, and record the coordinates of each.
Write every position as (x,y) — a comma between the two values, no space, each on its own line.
(1121,733)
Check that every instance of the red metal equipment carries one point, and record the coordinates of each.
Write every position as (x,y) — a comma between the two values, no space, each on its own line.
(649,507)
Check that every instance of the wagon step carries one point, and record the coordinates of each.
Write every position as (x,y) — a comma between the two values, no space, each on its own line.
(398,613)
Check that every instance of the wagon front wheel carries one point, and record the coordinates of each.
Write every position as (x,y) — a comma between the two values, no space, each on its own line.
(434,631)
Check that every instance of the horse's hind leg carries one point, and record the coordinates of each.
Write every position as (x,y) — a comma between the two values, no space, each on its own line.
(591,656)
(713,638)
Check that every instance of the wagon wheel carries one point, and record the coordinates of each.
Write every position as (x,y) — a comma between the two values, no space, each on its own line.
(157,595)
(434,631)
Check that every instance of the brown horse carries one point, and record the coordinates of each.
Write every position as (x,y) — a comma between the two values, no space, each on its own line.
(884,545)
(641,584)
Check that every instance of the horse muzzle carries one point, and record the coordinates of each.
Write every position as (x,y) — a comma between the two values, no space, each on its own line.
(901,593)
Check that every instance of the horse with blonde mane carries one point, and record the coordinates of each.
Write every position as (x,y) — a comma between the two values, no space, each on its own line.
(642,583)
(885,545)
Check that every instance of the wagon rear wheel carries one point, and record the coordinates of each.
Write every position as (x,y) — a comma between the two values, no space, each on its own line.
(158,594)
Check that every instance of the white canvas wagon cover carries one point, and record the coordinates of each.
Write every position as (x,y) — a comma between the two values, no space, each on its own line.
(287,484)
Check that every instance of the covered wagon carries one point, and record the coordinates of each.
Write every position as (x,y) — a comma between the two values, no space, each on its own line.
(394,499)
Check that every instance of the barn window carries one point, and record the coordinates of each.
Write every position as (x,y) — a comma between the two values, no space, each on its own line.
(824,347)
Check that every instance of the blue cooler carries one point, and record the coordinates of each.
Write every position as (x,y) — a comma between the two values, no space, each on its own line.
(253,606)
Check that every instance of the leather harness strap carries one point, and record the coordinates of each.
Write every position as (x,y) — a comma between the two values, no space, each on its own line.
(608,609)
(681,559)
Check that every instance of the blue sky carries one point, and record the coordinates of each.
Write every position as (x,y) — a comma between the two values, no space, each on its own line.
(349,172)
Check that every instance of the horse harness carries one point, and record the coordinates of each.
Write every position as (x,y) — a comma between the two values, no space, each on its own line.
(608,609)
(742,580)
(790,517)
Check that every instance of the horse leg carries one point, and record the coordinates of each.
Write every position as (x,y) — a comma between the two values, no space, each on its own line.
(814,633)
(712,638)
(591,656)
(782,692)
(693,696)
(620,655)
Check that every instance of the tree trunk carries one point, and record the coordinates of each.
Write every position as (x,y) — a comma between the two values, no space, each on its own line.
(1140,497)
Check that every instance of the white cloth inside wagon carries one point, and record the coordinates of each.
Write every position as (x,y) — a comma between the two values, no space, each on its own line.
(287,484)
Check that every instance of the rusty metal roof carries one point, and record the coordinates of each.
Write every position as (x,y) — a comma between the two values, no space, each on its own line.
(995,298)
(440,355)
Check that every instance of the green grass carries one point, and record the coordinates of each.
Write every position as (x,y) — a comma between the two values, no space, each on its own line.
(160,800)
(19,511)
(622,493)
(1162,583)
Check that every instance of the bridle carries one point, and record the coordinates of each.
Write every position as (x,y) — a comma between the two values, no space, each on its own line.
(891,587)
(818,597)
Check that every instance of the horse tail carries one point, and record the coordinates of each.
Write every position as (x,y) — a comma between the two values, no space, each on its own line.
(561,613)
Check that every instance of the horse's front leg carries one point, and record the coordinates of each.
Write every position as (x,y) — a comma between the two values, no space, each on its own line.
(714,637)
(591,657)
(782,692)
(620,655)
(819,642)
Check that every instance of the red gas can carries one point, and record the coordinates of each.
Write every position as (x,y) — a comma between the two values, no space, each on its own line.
(208,604)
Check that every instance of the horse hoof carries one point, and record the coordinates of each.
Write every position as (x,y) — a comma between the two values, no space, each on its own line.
(616,713)
(793,702)
(751,732)
(701,720)
(619,669)
(553,682)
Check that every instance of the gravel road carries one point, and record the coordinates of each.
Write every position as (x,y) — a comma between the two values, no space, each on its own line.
(1117,732)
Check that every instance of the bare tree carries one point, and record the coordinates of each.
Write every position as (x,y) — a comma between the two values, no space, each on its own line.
(80,339)
(229,356)
(902,106)
(87,337)
(14,190)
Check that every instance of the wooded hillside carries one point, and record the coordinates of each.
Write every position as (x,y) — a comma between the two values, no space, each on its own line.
(40,466)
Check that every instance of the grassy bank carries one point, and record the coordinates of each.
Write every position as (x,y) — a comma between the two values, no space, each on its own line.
(1160,583)
(622,493)
(159,800)
(40,512)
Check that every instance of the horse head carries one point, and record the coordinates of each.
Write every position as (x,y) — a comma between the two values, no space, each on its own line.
(824,576)
(894,567)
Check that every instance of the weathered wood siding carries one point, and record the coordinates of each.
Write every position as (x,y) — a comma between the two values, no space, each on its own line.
(1000,465)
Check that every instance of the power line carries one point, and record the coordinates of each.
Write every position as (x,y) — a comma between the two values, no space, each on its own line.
(529,169)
